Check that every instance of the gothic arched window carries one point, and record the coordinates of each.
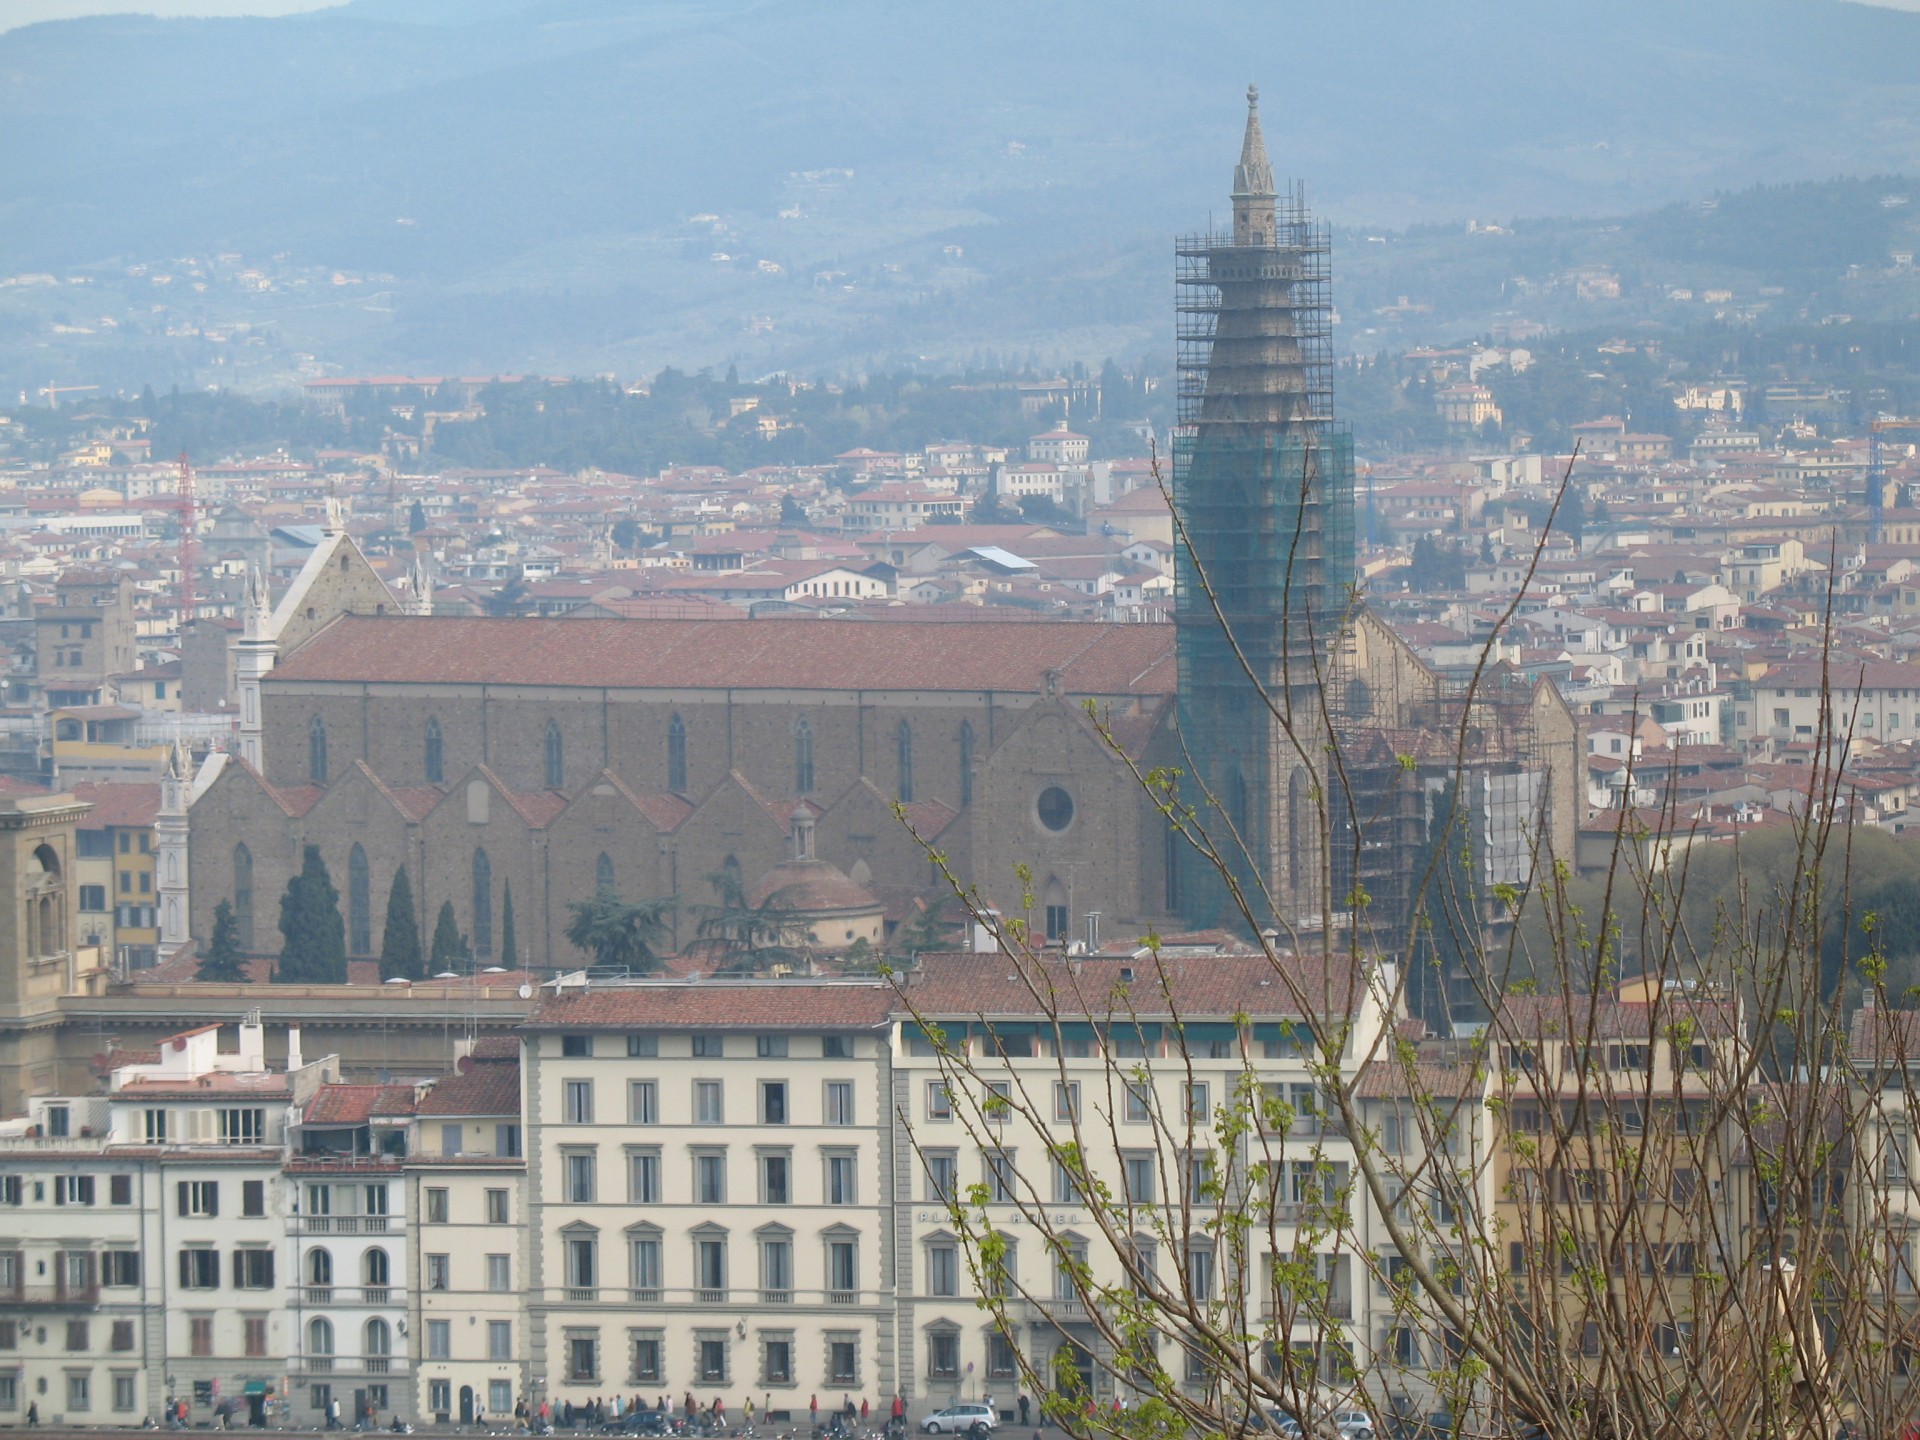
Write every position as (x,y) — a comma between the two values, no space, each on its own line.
(317,751)
(676,755)
(803,758)
(436,754)
(243,894)
(359,904)
(482,903)
(603,873)
(966,763)
(556,757)
(903,756)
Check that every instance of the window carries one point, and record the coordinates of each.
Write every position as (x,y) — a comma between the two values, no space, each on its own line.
(903,758)
(452,1138)
(1197,1107)
(709,1102)
(506,1141)
(497,1207)
(711,1359)
(253,1197)
(436,1206)
(842,1173)
(836,1047)
(939,1101)
(439,1398)
(121,1268)
(1139,1171)
(1001,1177)
(574,1047)
(643,1046)
(436,762)
(77,1336)
(578,1173)
(243,894)
(776,1268)
(803,758)
(439,1339)
(709,1047)
(253,1269)
(80,1391)
(943,1355)
(319,1267)
(1057,920)
(839,1102)
(676,755)
(582,1262)
(643,1177)
(770,1047)
(577,1101)
(943,1175)
(73,1189)
(1200,1272)
(643,1102)
(377,1338)
(437,1272)
(499,1397)
(710,1177)
(775,1178)
(243,1127)
(1066,1190)
(93,897)
(200,1268)
(1002,1363)
(482,903)
(359,904)
(645,1257)
(317,751)
(499,1339)
(776,1362)
(943,1269)
(843,1362)
(500,1273)
(843,1266)
(773,1102)
(646,1357)
(1054,809)
(1066,1100)
(966,763)
(583,1357)
(556,757)
(710,1267)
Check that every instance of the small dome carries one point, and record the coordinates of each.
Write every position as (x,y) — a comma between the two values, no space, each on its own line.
(812,887)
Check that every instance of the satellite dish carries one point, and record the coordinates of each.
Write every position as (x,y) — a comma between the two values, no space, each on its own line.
(526,991)
(398,980)
(446,975)
(494,970)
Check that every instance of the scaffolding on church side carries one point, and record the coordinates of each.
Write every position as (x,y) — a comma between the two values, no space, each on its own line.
(1263,480)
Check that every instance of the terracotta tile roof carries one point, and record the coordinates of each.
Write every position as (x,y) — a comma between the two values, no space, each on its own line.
(496,1047)
(118,802)
(357,1104)
(1879,1036)
(482,1087)
(1390,1080)
(1214,985)
(763,1005)
(1093,659)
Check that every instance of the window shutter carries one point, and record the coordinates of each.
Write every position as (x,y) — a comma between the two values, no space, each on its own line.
(60,1272)
(239,1269)
(186,1267)
(267,1281)
(213,1280)
(213,1197)
(185,1204)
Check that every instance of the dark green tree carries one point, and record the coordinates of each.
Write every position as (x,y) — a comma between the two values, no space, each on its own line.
(507,599)
(223,960)
(509,942)
(313,948)
(400,943)
(416,518)
(618,934)
(740,936)
(449,945)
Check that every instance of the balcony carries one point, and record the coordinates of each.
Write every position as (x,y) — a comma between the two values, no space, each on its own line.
(711,1297)
(843,1297)
(50,1297)
(376,1295)
(776,1297)
(644,1297)
(344,1224)
(319,1295)
(582,1294)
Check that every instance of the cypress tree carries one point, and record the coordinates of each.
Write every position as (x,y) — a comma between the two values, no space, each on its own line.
(509,942)
(222,960)
(449,945)
(313,948)
(400,944)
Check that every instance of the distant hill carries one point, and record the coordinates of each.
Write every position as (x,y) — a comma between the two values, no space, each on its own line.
(613,184)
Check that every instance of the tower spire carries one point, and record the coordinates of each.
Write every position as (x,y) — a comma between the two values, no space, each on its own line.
(1253,192)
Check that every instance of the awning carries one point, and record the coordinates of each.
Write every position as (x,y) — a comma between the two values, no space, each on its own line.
(256,1387)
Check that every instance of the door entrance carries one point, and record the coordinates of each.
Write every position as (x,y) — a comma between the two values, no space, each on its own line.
(466,1404)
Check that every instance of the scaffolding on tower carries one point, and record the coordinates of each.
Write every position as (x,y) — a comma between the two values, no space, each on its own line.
(188,512)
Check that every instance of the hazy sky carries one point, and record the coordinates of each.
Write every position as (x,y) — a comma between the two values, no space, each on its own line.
(14,13)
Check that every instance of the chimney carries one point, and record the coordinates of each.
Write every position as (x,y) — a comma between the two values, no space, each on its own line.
(294,1061)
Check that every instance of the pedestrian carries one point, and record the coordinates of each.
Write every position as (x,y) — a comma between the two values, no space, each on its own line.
(333,1412)
(747,1409)
(863,1410)
(813,1409)
(33,1412)
(1024,1405)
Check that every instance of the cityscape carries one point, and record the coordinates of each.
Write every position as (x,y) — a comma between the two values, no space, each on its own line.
(1346,868)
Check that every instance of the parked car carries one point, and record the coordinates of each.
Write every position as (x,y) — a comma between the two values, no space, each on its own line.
(960,1420)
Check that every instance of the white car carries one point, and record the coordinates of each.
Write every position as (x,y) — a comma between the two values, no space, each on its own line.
(1354,1424)
(959,1419)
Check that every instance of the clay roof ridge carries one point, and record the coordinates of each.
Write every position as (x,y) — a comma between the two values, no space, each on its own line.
(649,803)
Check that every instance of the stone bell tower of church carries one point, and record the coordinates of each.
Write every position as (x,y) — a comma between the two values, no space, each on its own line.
(39,920)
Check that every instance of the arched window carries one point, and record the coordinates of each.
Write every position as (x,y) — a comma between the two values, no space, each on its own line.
(676,755)
(317,751)
(320,1336)
(243,894)
(482,903)
(375,1269)
(359,904)
(966,763)
(603,873)
(319,1267)
(556,757)
(436,754)
(379,1338)
(803,758)
(903,756)
(1058,915)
